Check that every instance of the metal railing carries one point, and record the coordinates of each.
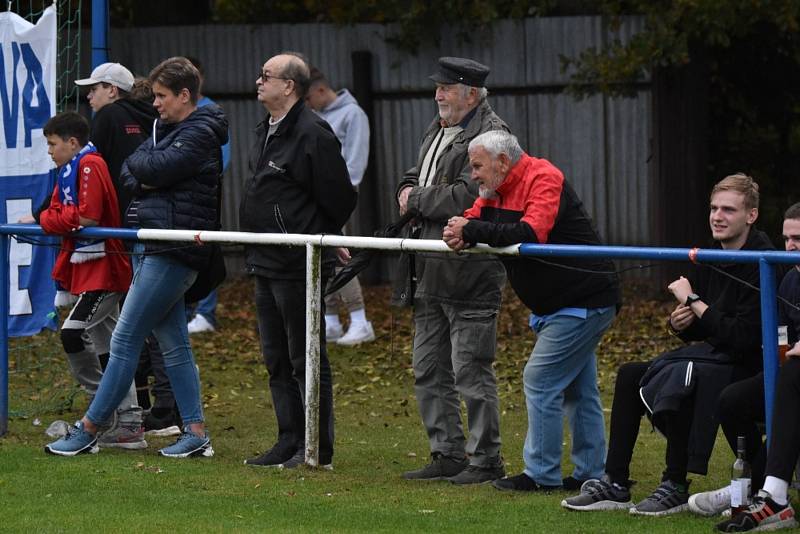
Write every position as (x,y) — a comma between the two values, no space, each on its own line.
(766,261)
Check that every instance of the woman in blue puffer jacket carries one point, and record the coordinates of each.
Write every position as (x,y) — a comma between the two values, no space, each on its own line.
(175,178)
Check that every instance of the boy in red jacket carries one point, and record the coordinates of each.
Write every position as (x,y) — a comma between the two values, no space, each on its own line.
(97,272)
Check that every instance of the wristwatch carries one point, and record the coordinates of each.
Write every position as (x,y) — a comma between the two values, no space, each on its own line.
(693,297)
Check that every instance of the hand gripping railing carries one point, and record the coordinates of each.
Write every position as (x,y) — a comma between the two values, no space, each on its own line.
(313,243)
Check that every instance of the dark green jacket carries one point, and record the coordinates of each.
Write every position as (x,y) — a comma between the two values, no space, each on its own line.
(470,279)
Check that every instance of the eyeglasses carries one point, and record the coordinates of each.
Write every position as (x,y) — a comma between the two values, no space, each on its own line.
(264,77)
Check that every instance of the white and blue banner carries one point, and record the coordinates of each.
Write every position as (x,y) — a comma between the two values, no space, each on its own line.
(27,101)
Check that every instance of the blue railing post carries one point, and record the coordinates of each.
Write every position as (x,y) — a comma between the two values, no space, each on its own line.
(99,32)
(4,248)
(769,336)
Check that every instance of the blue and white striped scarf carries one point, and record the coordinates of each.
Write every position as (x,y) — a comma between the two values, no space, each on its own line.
(85,249)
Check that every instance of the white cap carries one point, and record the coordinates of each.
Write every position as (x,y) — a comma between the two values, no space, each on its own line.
(112,73)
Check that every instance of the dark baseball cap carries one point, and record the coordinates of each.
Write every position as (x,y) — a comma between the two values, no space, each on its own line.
(460,70)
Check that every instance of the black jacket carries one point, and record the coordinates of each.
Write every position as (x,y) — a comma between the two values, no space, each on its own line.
(299,185)
(729,349)
(118,129)
(787,314)
(732,322)
(176,183)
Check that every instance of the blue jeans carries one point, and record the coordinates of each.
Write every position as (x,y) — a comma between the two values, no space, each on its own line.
(561,375)
(154,304)
(206,307)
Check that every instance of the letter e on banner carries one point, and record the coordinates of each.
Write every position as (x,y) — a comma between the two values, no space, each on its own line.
(20,254)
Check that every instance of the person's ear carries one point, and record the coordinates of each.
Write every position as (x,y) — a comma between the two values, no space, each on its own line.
(752,215)
(504,163)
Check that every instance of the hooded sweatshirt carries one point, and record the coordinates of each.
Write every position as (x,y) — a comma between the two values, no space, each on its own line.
(350,124)
(117,130)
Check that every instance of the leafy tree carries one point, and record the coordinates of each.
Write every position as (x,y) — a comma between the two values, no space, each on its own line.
(751,49)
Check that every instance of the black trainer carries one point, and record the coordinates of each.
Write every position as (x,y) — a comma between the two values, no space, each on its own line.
(162,422)
(668,498)
(521,482)
(299,459)
(272,458)
(599,495)
(571,483)
(441,467)
(476,474)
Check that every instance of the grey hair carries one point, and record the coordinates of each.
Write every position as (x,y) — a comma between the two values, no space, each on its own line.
(482,91)
(497,142)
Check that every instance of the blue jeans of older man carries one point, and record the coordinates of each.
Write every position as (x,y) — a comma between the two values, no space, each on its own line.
(561,376)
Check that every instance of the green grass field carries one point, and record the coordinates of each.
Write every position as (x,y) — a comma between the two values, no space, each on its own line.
(378,436)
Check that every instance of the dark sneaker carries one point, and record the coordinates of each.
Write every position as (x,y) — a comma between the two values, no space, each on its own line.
(272,458)
(521,482)
(299,459)
(571,483)
(475,474)
(123,437)
(441,467)
(162,423)
(599,495)
(763,514)
(668,498)
(189,444)
(77,441)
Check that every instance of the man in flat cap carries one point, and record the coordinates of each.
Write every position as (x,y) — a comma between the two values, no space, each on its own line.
(456,298)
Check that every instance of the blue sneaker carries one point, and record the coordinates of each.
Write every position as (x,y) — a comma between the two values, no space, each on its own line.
(189,444)
(77,441)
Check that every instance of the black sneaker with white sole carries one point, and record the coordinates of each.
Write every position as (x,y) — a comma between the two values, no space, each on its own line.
(668,498)
(599,494)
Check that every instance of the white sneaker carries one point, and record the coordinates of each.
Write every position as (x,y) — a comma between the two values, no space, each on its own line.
(333,332)
(711,503)
(200,324)
(357,333)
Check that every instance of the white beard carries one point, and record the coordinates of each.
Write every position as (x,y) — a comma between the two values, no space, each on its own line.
(486,193)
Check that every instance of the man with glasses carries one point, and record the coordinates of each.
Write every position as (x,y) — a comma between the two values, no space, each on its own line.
(299,184)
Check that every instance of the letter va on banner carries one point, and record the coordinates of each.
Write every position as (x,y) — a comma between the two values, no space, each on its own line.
(27,101)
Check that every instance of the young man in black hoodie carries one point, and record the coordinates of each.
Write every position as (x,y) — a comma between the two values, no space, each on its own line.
(120,123)
(719,319)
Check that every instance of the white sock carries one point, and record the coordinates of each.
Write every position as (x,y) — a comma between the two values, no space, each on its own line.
(358,316)
(778,489)
(332,321)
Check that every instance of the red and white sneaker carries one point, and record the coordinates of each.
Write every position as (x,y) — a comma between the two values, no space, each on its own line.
(763,514)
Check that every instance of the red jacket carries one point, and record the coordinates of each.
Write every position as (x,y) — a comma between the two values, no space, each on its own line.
(535,204)
(98,201)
